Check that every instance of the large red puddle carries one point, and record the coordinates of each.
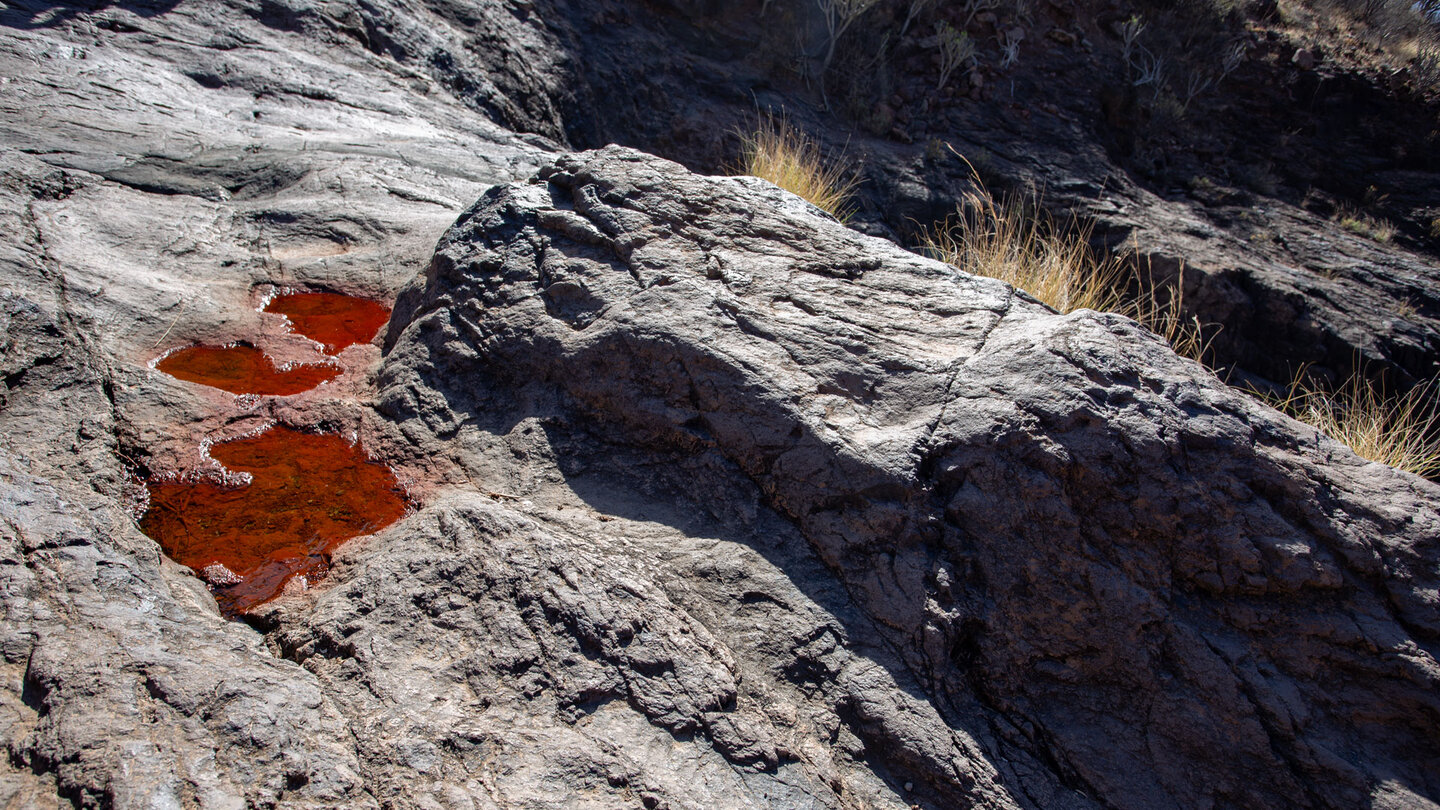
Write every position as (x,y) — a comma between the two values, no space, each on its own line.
(243,369)
(331,319)
(308,494)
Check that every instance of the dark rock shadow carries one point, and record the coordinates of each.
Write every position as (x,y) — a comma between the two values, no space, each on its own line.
(30,14)
(706,496)
(684,481)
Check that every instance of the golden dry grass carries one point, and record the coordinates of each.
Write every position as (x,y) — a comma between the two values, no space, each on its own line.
(1161,309)
(1361,223)
(1001,239)
(1399,431)
(1014,240)
(781,153)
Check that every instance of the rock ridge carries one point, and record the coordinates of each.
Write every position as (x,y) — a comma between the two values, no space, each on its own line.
(1090,554)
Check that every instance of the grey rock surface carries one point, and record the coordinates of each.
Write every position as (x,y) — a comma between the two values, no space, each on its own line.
(1111,578)
(145,208)
(718,504)
(123,686)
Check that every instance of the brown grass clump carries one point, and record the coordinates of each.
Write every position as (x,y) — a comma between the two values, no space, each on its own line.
(781,153)
(1002,239)
(1014,240)
(1161,309)
(1362,224)
(1387,35)
(1399,431)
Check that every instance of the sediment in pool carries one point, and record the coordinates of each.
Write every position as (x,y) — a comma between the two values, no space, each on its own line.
(333,320)
(307,494)
(243,369)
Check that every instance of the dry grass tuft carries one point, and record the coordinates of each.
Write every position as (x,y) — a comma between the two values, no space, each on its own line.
(1398,431)
(1362,224)
(781,153)
(1004,239)
(1161,309)
(1014,240)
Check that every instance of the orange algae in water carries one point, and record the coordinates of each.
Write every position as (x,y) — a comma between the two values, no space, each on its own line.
(308,494)
(243,369)
(331,319)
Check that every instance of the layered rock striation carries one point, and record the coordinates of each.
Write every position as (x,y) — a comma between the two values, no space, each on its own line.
(1110,578)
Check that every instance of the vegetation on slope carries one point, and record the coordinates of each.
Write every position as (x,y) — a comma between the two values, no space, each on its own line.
(1401,431)
(783,154)
(1172,79)
(1016,241)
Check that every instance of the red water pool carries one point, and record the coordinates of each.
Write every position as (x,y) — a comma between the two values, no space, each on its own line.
(243,369)
(308,494)
(331,319)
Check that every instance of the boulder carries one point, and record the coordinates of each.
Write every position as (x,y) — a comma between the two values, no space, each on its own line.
(1103,574)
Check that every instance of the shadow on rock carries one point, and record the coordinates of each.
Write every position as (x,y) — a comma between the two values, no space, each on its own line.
(1123,579)
(30,14)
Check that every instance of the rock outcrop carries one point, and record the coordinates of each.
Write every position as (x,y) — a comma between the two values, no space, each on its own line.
(123,686)
(1112,579)
(718,503)
(1228,187)
(142,206)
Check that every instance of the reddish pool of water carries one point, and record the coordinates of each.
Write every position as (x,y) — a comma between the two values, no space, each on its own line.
(331,319)
(243,369)
(308,494)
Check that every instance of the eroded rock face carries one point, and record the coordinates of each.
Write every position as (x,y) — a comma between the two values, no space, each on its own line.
(1225,194)
(123,686)
(143,206)
(1102,575)
(722,505)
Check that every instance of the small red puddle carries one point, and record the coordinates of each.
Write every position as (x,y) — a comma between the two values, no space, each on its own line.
(331,319)
(243,369)
(308,494)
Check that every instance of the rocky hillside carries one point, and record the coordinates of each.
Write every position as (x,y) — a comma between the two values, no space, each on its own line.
(1265,127)
(713,501)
